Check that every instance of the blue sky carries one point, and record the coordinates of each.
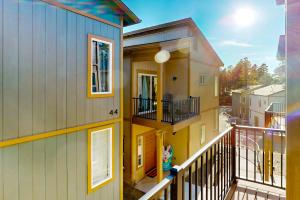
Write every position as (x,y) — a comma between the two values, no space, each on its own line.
(257,41)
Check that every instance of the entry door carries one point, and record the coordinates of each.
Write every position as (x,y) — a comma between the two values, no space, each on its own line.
(150,151)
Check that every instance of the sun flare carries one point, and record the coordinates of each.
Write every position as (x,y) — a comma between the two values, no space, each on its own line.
(244,17)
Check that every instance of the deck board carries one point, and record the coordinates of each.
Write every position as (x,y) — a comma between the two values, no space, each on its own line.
(248,191)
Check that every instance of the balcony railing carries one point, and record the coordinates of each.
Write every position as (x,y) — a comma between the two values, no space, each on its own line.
(179,110)
(173,111)
(145,108)
(240,152)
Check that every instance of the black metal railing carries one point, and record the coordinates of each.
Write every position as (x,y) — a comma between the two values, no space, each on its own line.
(261,154)
(145,108)
(179,110)
(210,172)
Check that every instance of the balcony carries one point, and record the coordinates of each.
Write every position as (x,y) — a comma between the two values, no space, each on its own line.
(174,111)
(239,156)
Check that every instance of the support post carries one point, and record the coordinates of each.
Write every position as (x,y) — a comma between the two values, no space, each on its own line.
(177,185)
(159,154)
(233,153)
(267,147)
(160,86)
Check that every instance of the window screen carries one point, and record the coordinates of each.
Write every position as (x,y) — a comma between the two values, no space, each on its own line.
(101,156)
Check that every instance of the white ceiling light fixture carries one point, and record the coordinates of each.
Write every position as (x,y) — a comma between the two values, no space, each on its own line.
(162,56)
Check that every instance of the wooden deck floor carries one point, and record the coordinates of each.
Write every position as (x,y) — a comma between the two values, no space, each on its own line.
(245,190)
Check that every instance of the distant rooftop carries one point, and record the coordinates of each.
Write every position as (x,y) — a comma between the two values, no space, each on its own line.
(249,88)
(269,90)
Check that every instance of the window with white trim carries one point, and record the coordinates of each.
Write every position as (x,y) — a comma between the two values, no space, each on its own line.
(203,79)
(101,156)
(101,66)
(140,151)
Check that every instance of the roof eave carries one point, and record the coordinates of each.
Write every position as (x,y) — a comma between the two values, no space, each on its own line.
(132,18)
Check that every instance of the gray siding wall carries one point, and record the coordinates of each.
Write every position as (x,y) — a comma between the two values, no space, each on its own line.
(43,70)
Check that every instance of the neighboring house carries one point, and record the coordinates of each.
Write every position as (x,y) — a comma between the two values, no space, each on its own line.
(240,103)
(172,103)
(261,99)
(61,99)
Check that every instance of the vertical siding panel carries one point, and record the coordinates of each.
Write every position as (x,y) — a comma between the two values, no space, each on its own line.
(10,69)
(107,32)
(71,103)
(10,98)
(25,171)
(50,168)
(50,110)
(116,37)
(71,70)
(25,98)
(39,52)
(81,96)
(71,165)
(39,188)
(62,192)
(81,165)
(11,175)
(61,68)
(89,101)
(25,68)
(50,68)
(81,68)
(1,97)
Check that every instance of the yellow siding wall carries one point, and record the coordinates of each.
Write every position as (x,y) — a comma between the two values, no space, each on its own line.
(179,142)
(176,68)
(207,119)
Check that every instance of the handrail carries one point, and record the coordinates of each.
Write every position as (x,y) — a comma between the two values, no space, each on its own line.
(219,161)
(204,149)
(259,128)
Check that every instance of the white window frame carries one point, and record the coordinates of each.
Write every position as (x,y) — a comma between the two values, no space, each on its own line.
(91,133)
(151,75)
(110,93)
(140,151)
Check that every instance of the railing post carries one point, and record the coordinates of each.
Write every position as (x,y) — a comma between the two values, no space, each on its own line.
(233,160)
(177,184)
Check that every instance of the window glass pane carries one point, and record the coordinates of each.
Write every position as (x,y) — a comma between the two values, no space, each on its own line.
(140,151)
(101,67)
(101,155)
